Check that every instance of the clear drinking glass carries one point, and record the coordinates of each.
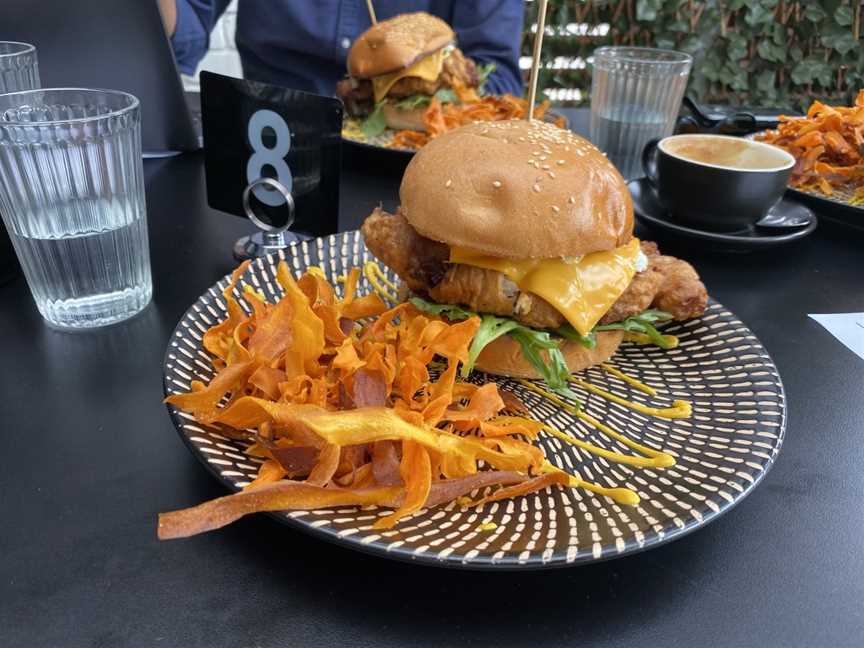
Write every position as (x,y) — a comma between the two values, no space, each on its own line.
(19,69)
(636,94)
(72,199)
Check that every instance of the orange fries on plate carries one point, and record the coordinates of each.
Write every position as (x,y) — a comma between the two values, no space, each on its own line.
(828,145)
(347,402)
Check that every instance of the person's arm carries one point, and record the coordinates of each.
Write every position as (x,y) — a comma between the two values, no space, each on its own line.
(188,23)
(490,31)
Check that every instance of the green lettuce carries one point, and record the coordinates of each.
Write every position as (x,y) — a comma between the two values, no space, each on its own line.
(374,124)
(643,323)
(444,95)
(414,101)
(534,343)
(531,341)
(483,71)
(449,311)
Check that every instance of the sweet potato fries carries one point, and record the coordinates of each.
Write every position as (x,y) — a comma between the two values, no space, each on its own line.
(828,145)
(440,118)
(336,396)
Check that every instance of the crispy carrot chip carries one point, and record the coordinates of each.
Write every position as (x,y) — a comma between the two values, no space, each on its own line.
(352,411)
(828,145)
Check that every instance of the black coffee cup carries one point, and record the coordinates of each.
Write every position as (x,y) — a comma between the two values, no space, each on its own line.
(716,194)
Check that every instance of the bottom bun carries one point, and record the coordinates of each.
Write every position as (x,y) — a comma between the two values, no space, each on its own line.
(399,119)
(503,357)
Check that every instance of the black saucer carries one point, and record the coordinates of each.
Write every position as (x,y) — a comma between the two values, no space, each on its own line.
(786,222)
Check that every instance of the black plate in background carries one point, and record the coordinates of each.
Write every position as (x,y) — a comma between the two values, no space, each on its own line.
(834,210)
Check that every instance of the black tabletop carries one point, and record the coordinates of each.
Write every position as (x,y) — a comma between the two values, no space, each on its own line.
(88,457)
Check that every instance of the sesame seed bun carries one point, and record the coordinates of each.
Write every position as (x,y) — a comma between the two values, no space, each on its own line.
(397,43)
(517,189)
(504,357)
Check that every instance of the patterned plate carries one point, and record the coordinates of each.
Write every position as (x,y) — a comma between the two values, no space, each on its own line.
(722,451)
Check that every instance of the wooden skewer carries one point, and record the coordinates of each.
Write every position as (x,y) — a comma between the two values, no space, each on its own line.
(371,12)
(535,63)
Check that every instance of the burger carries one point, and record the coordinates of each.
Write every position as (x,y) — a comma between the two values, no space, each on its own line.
(530,227)
(398,65)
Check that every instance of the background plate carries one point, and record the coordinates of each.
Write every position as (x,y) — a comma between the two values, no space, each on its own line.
(836,208)
(351,133)
(722,451)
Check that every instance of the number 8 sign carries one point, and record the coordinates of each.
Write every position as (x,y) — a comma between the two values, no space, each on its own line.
(259,138)
(263,156)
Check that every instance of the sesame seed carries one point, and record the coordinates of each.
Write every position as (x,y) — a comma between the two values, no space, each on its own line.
(555,209)
(545,167)
(571,200)
(536,188)
(536,165)
(551,174)
(560,161)
(530,161)
(535,153)
(448,183)
(496,184)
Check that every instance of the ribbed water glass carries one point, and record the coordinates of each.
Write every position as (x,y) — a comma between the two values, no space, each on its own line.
(19,69)
(636,94)
(72,198)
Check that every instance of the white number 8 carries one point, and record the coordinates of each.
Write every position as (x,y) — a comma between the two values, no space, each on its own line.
(272,157)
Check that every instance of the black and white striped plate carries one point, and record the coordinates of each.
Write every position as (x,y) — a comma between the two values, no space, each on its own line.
(722,451)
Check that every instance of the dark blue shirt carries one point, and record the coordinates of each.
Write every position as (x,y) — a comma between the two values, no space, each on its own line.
(303,44)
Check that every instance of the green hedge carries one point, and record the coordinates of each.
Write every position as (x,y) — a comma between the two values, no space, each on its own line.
(758,52)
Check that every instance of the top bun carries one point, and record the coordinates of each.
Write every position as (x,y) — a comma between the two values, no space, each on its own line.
(517,189)
(397,43)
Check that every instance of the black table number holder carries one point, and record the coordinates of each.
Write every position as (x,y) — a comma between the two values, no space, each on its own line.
(272,155)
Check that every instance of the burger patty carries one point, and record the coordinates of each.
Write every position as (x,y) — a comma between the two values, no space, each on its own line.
(456,70)
(668,283)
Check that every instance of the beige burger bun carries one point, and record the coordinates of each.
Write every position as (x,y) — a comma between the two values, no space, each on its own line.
(397,43)
(399,119)
(517,190)
(503,357)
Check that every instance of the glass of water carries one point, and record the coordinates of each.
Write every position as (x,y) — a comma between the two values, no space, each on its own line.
(72,199)
(19,69)
(636,94)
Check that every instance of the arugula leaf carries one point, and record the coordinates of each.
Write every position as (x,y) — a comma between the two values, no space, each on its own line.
(374,124)
(654,315)
(449,311)
(568,332)
(414,101)
(642,323)
(483,71)
(446,95)
(491,328)
(533,343)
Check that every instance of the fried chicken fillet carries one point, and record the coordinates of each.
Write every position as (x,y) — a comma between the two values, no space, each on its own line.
(667,283)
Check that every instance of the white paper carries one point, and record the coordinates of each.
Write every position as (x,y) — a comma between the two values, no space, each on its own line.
(846,327)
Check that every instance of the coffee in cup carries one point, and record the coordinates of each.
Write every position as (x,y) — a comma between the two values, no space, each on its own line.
(717,182)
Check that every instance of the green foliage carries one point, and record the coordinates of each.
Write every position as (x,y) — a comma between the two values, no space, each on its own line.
(746,52)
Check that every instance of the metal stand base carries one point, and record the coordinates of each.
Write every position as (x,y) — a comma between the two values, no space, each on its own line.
(263,243)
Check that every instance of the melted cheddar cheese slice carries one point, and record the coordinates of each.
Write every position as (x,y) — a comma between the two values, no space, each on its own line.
(581,289)
(427,68)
